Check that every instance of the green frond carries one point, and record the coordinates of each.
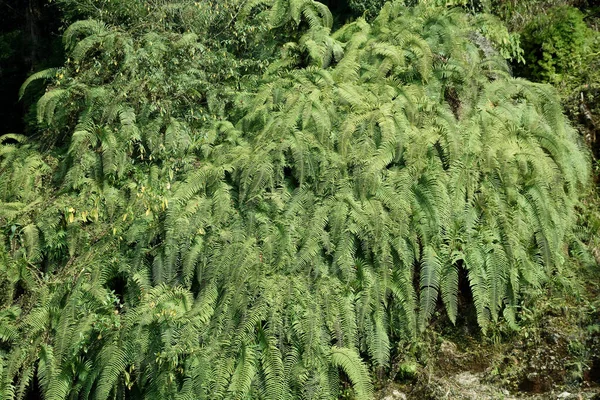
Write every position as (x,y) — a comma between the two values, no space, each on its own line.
(84,46)
(47,104)
(244,373)
(272,367)
(429,285)
(350,362)
(86,28)
(114,361)
(32,242)
(49,73)
(449,288)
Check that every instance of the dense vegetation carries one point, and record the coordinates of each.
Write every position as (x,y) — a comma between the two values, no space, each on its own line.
(258,199)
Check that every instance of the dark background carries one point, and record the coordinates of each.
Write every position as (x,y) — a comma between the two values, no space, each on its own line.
(29,42)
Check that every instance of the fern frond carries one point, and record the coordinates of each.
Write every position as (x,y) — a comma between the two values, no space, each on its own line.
(87,28)
(429,285)
(49,73)
(353,366)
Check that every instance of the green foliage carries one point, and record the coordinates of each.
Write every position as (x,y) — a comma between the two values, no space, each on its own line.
(506,43)
(518,13)
(557,43)
(366,8)
(561,49)
(209,219)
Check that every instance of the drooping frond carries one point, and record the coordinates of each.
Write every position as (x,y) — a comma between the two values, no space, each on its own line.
(49,73)
(352,365)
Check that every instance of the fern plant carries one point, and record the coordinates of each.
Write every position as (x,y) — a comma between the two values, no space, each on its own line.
(205,232)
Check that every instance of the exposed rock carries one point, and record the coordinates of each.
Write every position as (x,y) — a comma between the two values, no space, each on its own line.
(395,395)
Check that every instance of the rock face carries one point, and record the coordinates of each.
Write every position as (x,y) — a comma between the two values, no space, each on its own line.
(395,395)
(468,385)
(474,372)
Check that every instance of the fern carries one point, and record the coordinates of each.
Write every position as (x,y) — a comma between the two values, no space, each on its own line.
(354,368)
(209,218)
(44,74)
(430,282)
